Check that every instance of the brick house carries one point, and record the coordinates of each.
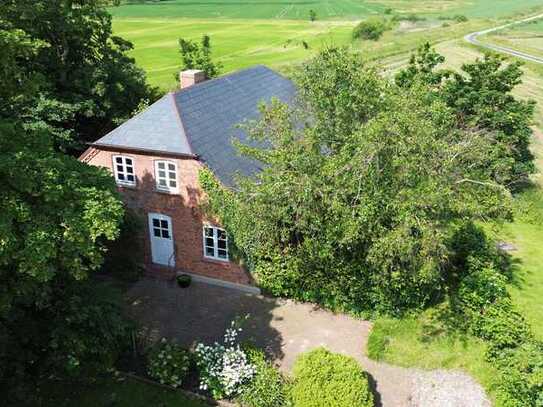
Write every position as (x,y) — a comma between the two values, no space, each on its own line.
(155,158)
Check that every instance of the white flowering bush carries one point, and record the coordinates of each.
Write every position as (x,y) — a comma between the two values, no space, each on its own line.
(168,363)
(224,368)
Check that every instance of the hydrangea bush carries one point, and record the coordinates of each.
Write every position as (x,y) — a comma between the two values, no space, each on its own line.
(224,368)
(168,363)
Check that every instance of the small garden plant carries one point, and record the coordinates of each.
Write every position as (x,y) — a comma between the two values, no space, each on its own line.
(268,386)
(169,363)
(224,368)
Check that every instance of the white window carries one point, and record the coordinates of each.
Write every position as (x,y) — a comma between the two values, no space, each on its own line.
(166,176)
(123,168)
(215,243)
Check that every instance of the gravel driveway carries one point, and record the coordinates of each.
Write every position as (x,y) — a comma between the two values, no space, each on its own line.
(284,329)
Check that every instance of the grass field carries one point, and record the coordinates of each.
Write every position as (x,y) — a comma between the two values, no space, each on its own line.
(325,9)
(279,44)
(236,43)
(241,37)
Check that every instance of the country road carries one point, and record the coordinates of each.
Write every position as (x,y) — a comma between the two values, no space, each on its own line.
(472,38)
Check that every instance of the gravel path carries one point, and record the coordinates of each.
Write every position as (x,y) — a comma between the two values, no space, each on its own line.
(441,388)
(285,329)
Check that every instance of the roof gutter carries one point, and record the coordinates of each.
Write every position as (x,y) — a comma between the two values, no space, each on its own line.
(144,151)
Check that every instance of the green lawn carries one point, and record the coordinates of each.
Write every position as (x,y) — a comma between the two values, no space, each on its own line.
(422,342)
(325,9)
(118,393)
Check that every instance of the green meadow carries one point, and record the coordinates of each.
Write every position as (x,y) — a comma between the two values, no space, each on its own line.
(325,9)
(279,34)
(236,43)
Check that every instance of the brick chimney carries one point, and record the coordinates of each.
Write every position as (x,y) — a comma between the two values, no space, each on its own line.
(191,77)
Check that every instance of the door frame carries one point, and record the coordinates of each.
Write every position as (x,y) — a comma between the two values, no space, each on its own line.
(161,216)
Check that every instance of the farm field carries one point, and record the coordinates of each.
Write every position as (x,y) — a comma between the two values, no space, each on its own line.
(279,44)
(246,39)
(235,43)
(325,9)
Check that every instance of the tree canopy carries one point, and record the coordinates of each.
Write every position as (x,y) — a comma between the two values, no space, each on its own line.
(481,97)
(198,56)
(60,85)
(363,188)
(84,81)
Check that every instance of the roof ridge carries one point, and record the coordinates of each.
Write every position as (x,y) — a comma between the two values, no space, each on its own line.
(180,121)
(225,76)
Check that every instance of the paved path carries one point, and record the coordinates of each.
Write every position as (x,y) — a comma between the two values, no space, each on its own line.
(472,38)
(285,329)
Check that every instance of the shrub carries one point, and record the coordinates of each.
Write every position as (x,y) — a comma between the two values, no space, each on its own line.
(168,363)
(371,29)
(325,379)
(224,368)
(482,299)
(521,382)
(460,18)
(267,388)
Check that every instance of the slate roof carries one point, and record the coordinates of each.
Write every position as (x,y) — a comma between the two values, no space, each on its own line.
(157,128)
(202,120)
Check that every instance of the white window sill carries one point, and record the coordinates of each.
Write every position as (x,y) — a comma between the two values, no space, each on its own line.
(125,184)
(167,191)
(216,259)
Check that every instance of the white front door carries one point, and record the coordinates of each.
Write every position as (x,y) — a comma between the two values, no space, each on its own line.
(160,231)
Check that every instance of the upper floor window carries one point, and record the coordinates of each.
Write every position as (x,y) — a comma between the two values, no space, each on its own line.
(123,168)
(215,243)
(166,176)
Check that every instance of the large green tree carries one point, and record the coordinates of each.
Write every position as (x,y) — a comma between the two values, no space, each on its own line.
(56,214)
(481,96)
(361,192)
(88,83)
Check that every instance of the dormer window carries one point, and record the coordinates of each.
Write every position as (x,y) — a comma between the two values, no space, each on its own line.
(166,176)
(123,168)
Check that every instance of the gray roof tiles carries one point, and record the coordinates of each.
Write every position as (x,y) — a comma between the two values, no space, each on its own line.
(203,120)
(157,128)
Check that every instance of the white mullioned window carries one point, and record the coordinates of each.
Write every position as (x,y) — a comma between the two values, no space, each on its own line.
(215,243)
(123,168)
(166,176)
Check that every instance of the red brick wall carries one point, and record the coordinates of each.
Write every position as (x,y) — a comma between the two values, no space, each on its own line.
(183,208)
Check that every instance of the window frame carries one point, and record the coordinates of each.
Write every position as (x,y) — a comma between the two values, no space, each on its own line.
(167,188)
(124,172)
(216,239)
